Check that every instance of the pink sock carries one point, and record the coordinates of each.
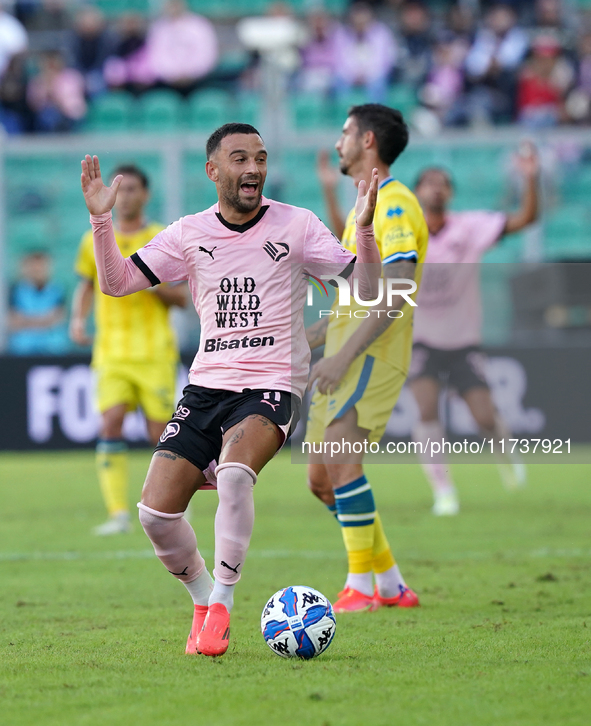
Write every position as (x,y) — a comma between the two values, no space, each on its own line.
(434,465)
(174,543)
(234,520)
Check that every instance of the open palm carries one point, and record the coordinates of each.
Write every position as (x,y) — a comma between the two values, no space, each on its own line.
(98,197)
(365,205)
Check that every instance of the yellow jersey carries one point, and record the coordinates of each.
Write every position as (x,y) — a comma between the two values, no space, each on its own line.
(131,328)
(401,234)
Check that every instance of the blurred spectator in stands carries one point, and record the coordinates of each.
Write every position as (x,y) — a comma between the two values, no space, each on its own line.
(551,16)
(36,317)
(129,67)
(15,114)
(56,95)
(13,37)
(546,78)
(366,54)
(492,65)
(90,43)
(182,47)
(417,42)
(47,16)
(578,103)
(460,23)
(319,59)
(445,80)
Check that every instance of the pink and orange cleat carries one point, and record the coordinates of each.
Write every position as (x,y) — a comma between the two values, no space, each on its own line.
(214,637)
(406,599)
(352,601)
(198,620)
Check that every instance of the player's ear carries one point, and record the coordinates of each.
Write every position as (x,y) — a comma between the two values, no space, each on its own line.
(369,139)
(211,170)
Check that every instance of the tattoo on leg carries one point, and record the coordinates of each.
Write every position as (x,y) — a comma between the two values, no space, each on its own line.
(261,419)
(236,436)
(168,455)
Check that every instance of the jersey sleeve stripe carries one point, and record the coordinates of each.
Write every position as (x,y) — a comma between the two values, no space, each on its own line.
(411,255)
(141,265)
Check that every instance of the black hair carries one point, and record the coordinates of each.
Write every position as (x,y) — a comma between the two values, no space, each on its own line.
(132,170)
(388,126)
(438,170)
(214,141)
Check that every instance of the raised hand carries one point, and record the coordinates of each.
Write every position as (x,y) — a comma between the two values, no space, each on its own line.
(99,198)
(365,205)
(527,160)
(328,174)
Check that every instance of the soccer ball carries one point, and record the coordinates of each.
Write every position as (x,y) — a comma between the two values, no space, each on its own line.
(298,622)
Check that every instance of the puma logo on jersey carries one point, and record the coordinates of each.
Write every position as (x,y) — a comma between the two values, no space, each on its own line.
(202,249)
(272,249)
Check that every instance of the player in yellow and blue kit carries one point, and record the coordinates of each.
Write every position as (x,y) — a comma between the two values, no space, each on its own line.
(366,359)
(135,355)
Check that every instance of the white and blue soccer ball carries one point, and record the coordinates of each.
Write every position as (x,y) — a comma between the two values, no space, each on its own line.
(298,622)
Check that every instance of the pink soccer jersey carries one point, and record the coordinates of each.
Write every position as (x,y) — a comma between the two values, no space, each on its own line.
(249,288)
(449,311)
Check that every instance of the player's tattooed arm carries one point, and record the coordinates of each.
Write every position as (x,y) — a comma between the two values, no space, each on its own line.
(316,334)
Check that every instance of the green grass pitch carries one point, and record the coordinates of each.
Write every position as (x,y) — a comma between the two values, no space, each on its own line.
(92,631)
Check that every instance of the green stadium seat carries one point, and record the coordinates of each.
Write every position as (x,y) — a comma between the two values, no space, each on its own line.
(113,8)
(312,111)
(161,111)
(112,112)
(249,109)
(27,234)
(209,109)
(403,97)
(566,232)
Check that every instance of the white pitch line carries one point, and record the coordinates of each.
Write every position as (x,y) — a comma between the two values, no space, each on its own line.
(286,554)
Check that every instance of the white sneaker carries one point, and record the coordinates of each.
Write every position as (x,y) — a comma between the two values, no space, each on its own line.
(514,475)
(117,524)
(446,505)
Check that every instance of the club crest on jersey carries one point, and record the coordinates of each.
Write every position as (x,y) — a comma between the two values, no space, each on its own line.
(276,250)
(171,430)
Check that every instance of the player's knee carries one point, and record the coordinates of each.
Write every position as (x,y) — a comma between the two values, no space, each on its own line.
(157,524)
(320,486)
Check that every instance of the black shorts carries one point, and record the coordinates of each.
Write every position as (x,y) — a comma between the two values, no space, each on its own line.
(204,415)
(462,368)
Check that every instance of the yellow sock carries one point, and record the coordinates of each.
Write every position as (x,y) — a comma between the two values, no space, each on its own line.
(113,476)
(358,543)
(382,557)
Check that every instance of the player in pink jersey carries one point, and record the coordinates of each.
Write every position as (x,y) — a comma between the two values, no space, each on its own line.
(245,260)
(448,319)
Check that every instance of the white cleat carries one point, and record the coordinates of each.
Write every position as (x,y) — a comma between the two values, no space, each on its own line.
(117,524)
(446,505)
(514,475)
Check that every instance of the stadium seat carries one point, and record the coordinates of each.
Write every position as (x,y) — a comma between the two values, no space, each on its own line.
(403,97)
(161,111)
(312,111)
(27,234)
(111,112)
(248,109)
(566,232)
(113,8)
(209,109)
